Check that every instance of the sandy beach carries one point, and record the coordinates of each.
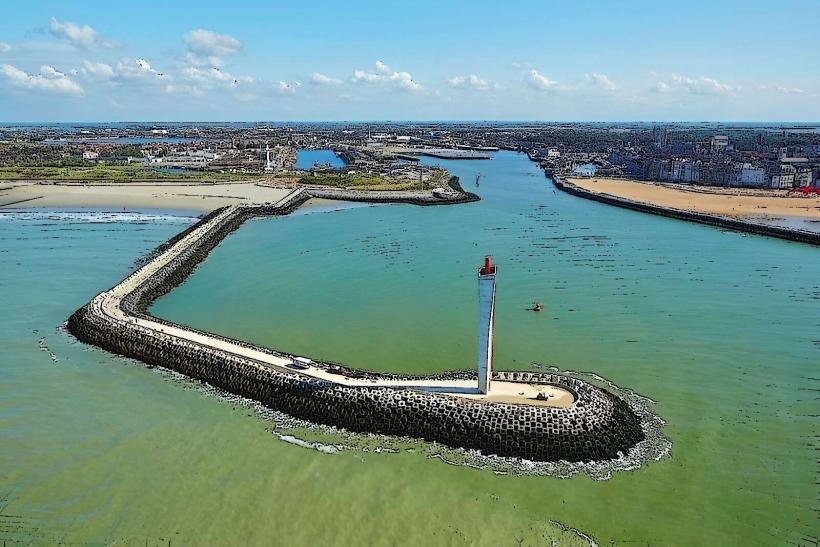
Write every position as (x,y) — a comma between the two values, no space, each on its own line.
(731,202)
(198,196)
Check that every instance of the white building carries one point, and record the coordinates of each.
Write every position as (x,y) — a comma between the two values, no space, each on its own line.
(207,154)
(719,143)
(785,178)
(90,155)
(683,170)
(180,161)
(749,175)
(803,177)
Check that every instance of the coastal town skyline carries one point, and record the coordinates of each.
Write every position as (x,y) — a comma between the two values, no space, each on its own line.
(586,62)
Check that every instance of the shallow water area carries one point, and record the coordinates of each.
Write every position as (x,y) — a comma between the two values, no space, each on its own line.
(628,296)
(100,449)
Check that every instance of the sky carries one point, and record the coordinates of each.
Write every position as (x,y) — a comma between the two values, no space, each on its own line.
(584,60)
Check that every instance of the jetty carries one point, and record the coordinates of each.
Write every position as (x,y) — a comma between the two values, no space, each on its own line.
(536,416)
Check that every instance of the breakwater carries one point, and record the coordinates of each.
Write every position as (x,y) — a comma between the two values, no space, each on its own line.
(444,408)
(452,194)
(812,238)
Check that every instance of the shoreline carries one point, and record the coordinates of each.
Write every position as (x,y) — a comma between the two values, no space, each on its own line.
(742,203)
(722,221)
(312,205)
(203,197)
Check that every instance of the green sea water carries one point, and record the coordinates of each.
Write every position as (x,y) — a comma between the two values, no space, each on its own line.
(718,328)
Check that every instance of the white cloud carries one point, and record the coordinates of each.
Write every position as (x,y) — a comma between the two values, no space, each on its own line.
(790,90)
(540,82)
(194,60)
(4,47)
(213,76)
(79,36)
(386,76)
(97,71)
(187,80)
(286,88)
(321,79)
(51,72)
(204,43)
(522,65)
(130,71)
(49,80)
(601,81)
(695,86)
(114,103)
(471,81)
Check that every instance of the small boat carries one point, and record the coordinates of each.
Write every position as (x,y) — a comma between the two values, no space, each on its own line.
(299,363)
(477,178)
(536,306)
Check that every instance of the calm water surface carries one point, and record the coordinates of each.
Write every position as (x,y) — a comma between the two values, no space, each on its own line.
(719,328)
(305,158)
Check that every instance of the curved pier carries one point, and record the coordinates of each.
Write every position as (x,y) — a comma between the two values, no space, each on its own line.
(537,416)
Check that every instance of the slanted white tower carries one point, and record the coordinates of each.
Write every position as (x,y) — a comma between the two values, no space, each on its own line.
(486,316)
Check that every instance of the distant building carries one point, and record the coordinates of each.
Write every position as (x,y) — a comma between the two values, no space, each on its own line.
(747,174)
(181,161)
(719,143)
(684,170)
(717,173)
(660,137)
(90,155)
(803,177)
(553,153)
(784,177)
(207,154)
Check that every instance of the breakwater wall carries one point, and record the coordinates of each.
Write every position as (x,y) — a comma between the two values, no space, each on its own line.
(415,197)
(801,236)
(596,426)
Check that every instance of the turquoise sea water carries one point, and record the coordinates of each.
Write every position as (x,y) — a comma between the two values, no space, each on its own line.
(305,158)
(719,328)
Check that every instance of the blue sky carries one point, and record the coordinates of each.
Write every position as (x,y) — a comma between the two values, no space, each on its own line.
(564,60)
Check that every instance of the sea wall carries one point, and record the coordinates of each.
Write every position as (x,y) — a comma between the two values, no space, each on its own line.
(415,197)
(597,426)
(801,236)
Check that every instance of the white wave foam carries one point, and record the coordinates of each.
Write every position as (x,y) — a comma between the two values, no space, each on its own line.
(93,217)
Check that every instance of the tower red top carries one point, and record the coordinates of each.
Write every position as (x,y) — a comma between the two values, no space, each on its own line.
(488,268)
